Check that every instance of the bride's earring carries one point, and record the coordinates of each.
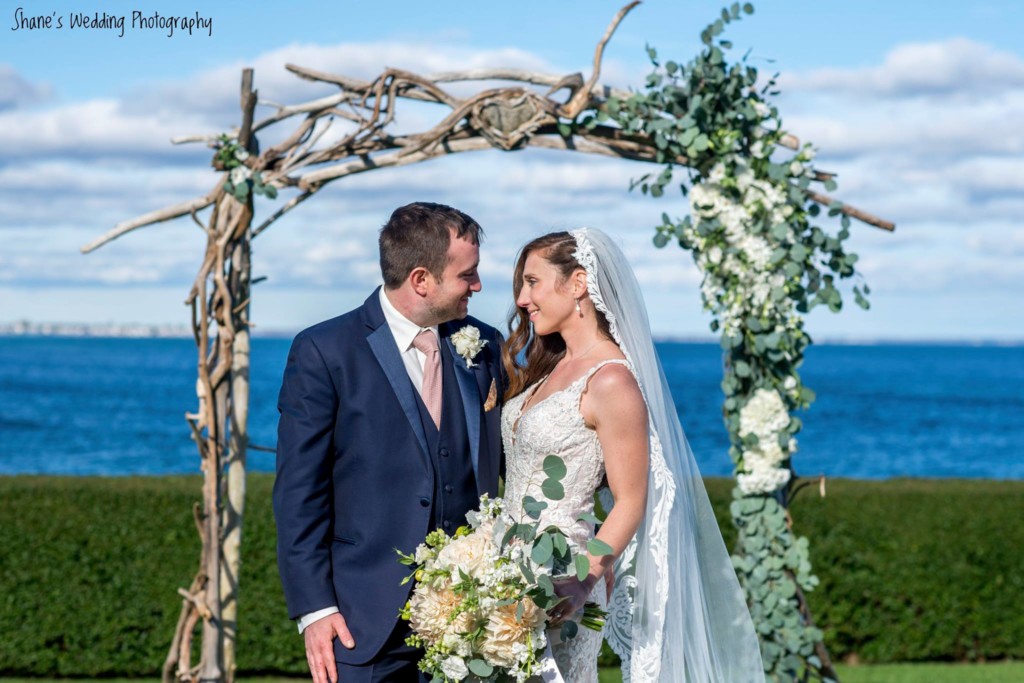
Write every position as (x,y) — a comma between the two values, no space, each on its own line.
(578,309)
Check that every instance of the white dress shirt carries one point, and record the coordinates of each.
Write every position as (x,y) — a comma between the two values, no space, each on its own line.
(404,331)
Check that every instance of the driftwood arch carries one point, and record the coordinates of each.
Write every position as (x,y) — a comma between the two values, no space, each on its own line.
(531,113)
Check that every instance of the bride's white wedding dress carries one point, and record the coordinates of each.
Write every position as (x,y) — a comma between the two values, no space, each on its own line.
(677,614)
(555,425)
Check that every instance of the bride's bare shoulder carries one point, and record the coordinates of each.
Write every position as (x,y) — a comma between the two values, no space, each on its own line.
(612,389)
(611,378)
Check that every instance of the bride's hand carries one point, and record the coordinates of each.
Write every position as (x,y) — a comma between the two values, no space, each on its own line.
(575,594)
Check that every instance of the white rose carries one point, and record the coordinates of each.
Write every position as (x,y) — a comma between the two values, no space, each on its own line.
(239,174)
(468,343)
(715,255)
(455,668)
(470,554)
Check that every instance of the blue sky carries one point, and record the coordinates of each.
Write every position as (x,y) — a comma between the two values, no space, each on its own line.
(916,105)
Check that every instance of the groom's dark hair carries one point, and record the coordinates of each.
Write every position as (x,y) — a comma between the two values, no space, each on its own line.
(418,235)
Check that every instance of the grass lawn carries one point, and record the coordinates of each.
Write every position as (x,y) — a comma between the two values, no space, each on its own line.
(999,672)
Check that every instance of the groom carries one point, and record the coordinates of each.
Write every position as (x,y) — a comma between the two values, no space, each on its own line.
(388,430)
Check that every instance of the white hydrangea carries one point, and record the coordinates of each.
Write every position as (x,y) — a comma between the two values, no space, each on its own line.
(736,257)
(760,292)
(764,415)
(763,480)
(757,250)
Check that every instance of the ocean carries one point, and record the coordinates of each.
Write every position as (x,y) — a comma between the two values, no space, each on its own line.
(96,406)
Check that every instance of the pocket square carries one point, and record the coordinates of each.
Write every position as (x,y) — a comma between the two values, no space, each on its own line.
(492,397)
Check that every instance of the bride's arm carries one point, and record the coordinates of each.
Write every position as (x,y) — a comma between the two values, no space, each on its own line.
(615,408)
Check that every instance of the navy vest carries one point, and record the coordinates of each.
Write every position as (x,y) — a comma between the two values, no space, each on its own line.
(454,481)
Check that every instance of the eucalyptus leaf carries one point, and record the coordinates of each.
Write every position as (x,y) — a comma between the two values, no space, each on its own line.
(597,547)
(554,467)
(480,668)
(560,544)
(582,564)
(552,489)
(543,549)
(533,507)
(588,517)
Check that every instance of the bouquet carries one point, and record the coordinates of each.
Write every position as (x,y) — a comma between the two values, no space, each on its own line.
(479,608)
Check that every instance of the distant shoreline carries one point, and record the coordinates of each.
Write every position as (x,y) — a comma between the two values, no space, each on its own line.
(141,331)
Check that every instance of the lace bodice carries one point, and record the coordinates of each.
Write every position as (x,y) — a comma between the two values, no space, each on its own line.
(553,426)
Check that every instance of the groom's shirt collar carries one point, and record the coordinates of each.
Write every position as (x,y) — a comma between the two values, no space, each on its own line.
(402,329)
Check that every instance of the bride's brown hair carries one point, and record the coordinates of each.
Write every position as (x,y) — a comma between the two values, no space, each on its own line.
(542,352)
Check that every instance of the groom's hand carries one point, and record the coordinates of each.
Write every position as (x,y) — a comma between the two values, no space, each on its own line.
(320,637)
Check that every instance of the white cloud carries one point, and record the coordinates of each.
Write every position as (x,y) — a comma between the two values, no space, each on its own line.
(954,67)
(142,123)
(100,127)
(952,126)
(943,161)
(214,93)
(16,91)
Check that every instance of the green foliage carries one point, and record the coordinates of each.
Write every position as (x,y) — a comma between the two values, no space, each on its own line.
(242,182)
(999,672)
(765,263)
(89,568)
(910,571)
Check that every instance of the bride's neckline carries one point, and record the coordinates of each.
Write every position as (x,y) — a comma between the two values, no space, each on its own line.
(532,391)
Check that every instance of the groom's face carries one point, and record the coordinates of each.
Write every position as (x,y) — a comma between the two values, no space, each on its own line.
(449,297)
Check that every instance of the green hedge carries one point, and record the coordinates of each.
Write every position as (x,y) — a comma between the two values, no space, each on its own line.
(911,570)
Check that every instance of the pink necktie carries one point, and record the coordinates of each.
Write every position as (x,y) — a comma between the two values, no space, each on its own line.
(426,341)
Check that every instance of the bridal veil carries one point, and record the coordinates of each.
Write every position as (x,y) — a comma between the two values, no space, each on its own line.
(677,611)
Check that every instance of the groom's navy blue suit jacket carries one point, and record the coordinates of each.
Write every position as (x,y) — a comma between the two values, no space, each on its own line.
(355,475)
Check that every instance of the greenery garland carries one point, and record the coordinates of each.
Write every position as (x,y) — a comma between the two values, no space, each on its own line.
(241,180)
(764,264)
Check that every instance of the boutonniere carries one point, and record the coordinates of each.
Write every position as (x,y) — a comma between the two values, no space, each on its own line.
(468,343)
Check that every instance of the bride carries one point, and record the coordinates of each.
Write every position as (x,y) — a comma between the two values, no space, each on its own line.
(585,383)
